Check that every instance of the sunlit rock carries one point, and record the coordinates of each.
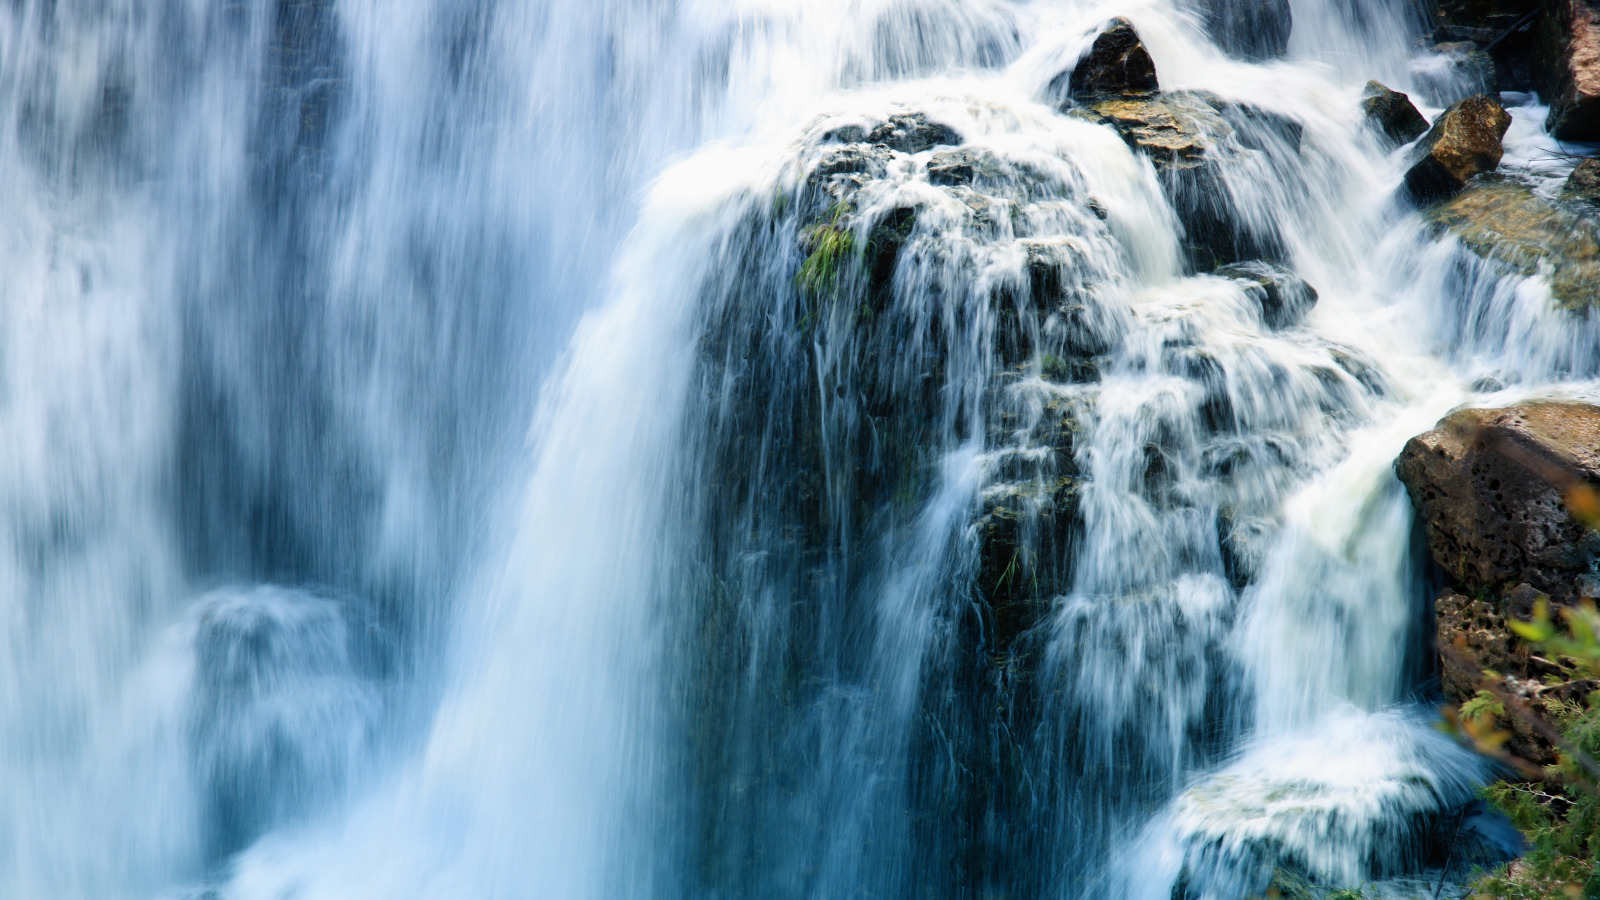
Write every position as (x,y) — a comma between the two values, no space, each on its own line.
(1490,487)
(1509,224)
(1463,142)
(1392,114)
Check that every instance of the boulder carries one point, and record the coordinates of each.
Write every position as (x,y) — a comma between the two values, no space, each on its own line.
(1392,114)
(1584,182)
(1253,30)
(1117,64)
(1507,223)
(1575,104)
(1489,486)
(1284,298)
(1463,142)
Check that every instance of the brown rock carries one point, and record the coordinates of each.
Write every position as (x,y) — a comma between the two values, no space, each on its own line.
(1118,63)
(1584,182)
(1575,108)
(1392,113)
(1489,486)
(1463,142)
(1473,636)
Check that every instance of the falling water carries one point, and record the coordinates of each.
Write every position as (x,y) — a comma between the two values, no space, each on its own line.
(719,449)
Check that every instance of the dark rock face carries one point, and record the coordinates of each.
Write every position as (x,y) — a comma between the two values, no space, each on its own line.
(1523,233)
(1584,182)
(1464,142)
(1575,107)
(1250,29)
(1490,485)
(1118,63)
(1284,297)
(959,167)
(1392,113)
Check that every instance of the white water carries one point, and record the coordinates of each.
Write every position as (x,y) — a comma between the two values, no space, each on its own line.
(390,510)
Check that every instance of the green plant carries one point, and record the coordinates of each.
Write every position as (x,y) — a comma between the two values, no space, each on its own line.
(830,244)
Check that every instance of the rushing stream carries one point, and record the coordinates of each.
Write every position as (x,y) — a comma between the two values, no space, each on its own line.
(720,449)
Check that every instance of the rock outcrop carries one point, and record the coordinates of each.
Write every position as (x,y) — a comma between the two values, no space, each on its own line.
(1117,64)
(1509,224)
(1392,114)
(1575,85)
(1464,142)
(1490,488)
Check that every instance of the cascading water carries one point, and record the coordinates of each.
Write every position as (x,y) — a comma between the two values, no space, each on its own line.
(935,497)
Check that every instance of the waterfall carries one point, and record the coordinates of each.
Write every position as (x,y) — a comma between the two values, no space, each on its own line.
(721,449)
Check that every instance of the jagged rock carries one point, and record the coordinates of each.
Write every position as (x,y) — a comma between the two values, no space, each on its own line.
(1575,105)
(1392,113)
(1117,64)
(1463,142)
(1508,223)
(1584,182)
(1250,29)
(1489,486)
(1284,297)
(1476,636)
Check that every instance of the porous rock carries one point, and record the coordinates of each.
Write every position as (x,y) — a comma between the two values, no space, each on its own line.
(1463,142)
(1489,486)
(1392,114)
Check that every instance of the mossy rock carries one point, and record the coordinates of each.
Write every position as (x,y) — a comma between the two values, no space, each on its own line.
(1506,222)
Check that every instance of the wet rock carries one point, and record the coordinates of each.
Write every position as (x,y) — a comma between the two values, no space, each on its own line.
(1283,296)
(1392,114)
(961,167)
(884,243)
(1470,71)
(907,133)
(1172,129)
(1489,486)
(1025,530)
(1250,29)
(1507,223)
(1117,64)
(1463,142)
(1584,182)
